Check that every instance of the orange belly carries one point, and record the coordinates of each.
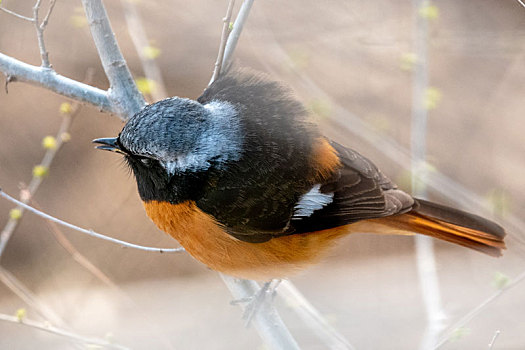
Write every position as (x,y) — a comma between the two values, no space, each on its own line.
(207,242)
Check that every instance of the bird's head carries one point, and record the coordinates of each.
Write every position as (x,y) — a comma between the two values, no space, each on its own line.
(171,145)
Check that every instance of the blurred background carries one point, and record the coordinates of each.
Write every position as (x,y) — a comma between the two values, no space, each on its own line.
(350,62)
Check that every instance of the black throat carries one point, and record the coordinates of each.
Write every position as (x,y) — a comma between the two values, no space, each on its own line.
(154,184)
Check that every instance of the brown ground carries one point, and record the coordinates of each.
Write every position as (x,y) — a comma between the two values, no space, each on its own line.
(333,53)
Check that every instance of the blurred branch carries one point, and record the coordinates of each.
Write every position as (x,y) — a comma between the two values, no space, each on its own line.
(267,321)
(235,34)
(47,160)
(425,256)
(30,299)
(445,337)
(521,3)
(123,92)
(312,318)
(76,255)
(46,327)
(140,41)
(224,38)
(40,27)
(88,232)
(493,340)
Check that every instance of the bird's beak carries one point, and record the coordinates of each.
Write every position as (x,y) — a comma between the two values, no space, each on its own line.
(108,144)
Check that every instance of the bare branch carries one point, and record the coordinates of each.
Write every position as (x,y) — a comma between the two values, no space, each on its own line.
(49,79)
(140,41)
(88,232)
(266,320)
(29,19)
(222,45)
(40,27)
(48,14)
(123,92)
(521,3)
(61,332)
(242,16)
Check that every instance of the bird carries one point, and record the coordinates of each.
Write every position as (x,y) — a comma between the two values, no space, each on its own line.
(247,183)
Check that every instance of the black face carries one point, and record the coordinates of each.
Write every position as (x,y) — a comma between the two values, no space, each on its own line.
(153,181)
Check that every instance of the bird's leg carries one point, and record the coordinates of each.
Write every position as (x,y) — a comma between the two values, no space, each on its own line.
(255,302)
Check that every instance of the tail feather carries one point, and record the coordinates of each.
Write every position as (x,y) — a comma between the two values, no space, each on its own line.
(454,226)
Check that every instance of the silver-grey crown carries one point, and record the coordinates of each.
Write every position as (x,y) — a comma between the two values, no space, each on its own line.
(184,135)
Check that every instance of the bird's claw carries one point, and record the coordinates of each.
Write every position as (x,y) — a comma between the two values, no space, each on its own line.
(255,303)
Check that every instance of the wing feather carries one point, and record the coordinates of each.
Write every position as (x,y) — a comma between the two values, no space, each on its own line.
(361,191)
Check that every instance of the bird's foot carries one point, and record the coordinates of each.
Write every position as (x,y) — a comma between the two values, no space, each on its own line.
(255,303)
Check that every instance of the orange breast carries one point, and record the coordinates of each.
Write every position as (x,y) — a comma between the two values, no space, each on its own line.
(207,242)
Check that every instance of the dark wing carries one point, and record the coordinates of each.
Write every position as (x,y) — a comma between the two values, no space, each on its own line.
(359,191)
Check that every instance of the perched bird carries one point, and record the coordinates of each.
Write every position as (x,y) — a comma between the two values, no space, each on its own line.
(248,185)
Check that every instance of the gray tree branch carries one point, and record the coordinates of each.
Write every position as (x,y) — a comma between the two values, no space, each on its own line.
(222,45)
(40,27)
(16,70)
(123,93)
(235,34)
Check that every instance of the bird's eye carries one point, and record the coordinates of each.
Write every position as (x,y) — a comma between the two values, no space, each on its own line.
(146,161)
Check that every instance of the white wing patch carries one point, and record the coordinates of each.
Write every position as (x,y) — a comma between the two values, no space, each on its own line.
(311,201)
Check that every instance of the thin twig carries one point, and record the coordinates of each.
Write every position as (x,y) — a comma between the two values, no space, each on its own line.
(123,91)
(521,3)
(233,38)
(140,41)
(493,341)
(40,27)
(224,39)
(476,311)
(25,18)
(312,318)
(61,332)
(89,232)
(48,14)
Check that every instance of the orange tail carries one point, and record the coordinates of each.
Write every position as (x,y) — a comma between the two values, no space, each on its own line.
(452,225)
